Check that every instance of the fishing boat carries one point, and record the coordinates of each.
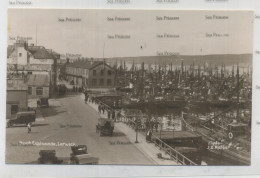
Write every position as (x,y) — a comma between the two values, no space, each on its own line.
(230,142)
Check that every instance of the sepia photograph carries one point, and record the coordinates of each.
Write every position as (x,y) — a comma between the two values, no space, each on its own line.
(129,87)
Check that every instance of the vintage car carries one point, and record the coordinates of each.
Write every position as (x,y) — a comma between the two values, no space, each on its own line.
(78,150)
(105,126)
(62,89)
(43,102)
(48,157)
(25,117)
(79,155)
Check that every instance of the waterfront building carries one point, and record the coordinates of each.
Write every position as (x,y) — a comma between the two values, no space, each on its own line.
(91,74)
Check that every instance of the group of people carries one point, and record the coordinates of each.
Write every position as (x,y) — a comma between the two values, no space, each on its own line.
(148,125)
(111,113)
(151,125)
(101,108)
(77,89)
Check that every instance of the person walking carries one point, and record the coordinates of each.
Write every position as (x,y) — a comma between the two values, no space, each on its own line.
(147,125)
(29,127)
(152,125)
(99,108)
(156,124)
(103,109)
(113,115)
(108,114)
(119,115)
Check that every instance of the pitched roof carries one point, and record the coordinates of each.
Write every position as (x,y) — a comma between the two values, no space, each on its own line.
(38,80)
(39,52)
(86,64)
(99,63)
(80,64)
(10,50)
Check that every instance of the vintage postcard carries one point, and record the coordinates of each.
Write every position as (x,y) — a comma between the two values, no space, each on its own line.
(129,87)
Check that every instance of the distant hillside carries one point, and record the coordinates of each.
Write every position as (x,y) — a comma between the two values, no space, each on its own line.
(227,59)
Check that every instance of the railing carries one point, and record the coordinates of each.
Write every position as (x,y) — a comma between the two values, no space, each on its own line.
(188,126)
(174,154)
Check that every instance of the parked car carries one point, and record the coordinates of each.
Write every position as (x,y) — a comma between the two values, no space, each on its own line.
(43,102)
(48,157)
(105,126)
(62,89)
(79,155)
(25,117)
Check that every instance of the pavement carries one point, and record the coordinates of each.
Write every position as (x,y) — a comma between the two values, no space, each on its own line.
(66,122)
(148,149)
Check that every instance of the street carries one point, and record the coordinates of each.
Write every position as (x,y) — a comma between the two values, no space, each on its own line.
(69,120)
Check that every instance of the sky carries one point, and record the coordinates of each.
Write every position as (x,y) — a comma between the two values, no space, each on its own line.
(89,36)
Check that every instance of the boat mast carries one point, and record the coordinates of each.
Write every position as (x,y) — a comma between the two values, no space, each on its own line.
(238,92)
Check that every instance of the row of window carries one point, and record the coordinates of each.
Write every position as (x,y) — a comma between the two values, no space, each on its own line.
(84,71)
(77,71)
(101,82)
(109,72)
(39,91)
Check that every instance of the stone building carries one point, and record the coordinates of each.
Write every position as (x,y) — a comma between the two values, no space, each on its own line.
(91,74)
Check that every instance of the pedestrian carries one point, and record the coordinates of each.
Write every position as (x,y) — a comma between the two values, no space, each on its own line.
(152,125)
(29,127)
(119,115)
(99,109)
(108,114)
(149,136)
(156,124)
(113,114)
(103,109)
(86,98)
(146,125)
(38,103)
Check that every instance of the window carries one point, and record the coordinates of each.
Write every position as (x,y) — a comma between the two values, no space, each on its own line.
(101,82)
(102,72)
(29,90)
(94,72)
(109,72)
(14,109)
(94,82)
(39,91)
(20,54)
(108,82)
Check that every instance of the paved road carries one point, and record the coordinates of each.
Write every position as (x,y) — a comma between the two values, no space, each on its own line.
(70,120)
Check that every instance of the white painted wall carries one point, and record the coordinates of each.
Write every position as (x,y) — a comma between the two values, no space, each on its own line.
(21,56)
